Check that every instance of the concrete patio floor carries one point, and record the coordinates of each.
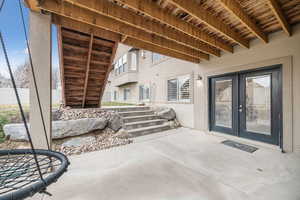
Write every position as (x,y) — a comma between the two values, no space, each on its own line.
(181,164)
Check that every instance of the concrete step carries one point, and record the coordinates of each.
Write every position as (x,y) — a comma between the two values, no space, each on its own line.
(136,113)
(139,118)
(141,124)
(148,130)
(127,108)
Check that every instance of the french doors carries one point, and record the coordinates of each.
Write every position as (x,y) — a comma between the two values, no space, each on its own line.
(248,104)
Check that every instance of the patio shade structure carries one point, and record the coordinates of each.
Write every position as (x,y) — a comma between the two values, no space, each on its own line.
(89,31)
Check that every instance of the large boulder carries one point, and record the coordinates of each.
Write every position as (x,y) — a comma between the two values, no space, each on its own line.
(15,132)
(63,129)
(115,122)
(60,129)
(166,113)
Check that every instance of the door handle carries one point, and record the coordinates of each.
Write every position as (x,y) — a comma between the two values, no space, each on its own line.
(241,108)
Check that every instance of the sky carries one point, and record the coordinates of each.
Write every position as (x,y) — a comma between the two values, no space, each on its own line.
(12,31)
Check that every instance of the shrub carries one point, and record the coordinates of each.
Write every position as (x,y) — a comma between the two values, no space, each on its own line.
(3,121)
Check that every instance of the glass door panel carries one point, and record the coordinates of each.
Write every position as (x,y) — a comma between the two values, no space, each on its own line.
(222,104)
(258,104)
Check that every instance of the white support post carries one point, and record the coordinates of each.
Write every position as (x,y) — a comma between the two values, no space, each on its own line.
(40,46)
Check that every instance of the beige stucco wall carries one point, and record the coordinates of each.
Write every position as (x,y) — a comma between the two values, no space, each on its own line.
(156,76)
(280,50)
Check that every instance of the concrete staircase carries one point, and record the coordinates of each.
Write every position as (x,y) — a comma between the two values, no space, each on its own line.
(141,120)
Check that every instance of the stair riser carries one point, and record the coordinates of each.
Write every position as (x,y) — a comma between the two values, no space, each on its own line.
(147,132)
(140,119)
(134,126)
(136,114)
(130,109)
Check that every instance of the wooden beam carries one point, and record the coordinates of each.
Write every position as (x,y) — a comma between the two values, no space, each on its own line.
(142,45)
(85,28)
(32,5)
(148,8)
(87,72)
(200,13)
(124,37)
(61,63)
(234,7)
(89,17)
(108,72)
(274,5)
(132,19)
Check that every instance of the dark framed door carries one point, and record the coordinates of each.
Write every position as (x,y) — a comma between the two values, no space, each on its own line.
(260,105)
(248,104)
(223,101)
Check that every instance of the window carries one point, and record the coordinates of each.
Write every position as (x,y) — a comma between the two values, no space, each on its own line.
(134,61)
(121,65)
(126,94)
(179,89)
(115,95)
(156,57)
(144,92)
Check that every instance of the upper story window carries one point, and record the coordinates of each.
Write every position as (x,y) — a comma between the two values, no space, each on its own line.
(121,65)
(156,57)
(128,62)
(179,89)
(134,60)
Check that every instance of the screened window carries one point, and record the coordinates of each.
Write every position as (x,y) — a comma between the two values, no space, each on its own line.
(179,89)
(144,92)
(126,94)
(134,61)
(115,95)
(121,65)
(156,57)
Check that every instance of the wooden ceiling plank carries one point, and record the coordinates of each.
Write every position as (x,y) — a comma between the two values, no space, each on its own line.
(132,42)
(32,4)
(234,7)
(132,19)
(200,13)
(75,48)
(85,28)
(88,17)
(75,35)
(275,7)
(150,9)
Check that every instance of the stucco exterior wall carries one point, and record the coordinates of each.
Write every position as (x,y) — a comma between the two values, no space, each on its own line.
(280,50)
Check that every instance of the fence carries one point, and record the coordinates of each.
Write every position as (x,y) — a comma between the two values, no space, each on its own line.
(8,97)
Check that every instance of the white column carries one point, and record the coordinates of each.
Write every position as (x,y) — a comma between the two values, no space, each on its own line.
(40,46)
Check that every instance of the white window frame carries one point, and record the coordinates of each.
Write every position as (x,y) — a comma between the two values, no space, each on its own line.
(124,92)
(143,86)
(161,58)
(178,92)
(121,64)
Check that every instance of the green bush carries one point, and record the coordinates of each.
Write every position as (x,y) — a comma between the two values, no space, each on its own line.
(3,121)
(113,103)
